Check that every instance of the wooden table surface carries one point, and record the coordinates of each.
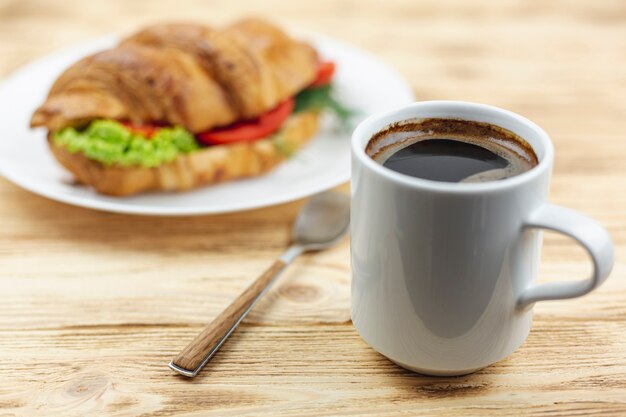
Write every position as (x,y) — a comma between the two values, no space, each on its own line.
(94,305)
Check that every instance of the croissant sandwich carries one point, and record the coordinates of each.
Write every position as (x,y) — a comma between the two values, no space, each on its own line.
(178,106)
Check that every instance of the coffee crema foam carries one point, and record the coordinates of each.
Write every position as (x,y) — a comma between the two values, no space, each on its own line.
(515,150)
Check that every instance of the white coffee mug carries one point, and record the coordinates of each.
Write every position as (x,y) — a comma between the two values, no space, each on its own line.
(442,273)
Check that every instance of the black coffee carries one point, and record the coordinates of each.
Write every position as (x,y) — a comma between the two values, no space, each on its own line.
(446,160)
(452,150)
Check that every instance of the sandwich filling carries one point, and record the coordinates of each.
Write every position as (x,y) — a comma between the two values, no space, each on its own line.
(112,142)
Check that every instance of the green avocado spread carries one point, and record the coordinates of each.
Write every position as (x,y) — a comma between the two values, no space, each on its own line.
(109,142)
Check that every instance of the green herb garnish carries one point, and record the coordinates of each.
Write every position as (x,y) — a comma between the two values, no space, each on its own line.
(321,98)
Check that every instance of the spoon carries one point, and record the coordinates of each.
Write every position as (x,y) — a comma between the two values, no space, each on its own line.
(321,223)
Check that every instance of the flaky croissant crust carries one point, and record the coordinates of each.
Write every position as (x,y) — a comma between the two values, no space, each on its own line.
(207,166)
(183,74)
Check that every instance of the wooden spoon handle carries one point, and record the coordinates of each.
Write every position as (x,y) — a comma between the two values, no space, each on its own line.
(198,352)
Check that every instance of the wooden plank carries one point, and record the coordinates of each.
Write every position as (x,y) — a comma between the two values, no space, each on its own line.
(261,370)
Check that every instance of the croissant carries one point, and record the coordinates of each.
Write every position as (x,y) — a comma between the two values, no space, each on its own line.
(211,165)
(185,75)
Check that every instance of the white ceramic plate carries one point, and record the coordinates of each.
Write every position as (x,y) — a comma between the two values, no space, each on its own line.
(363,83)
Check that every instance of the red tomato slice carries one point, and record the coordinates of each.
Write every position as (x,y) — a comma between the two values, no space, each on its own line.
(248,131)
(325,74)
(146,130)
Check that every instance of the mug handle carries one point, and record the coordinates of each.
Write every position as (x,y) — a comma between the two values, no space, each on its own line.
(590,234)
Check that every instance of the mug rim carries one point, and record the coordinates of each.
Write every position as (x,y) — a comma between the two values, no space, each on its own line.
(359,144)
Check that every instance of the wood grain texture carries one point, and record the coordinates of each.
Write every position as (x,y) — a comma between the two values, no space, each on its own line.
(208,339)
(94,305)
